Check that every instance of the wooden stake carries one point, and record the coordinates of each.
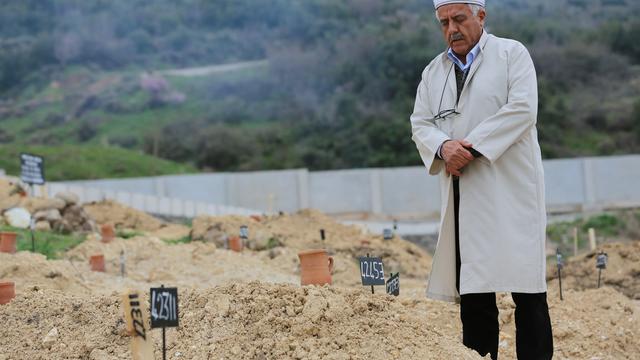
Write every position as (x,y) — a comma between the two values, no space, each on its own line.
(592,239)
(575,241)
(137,322)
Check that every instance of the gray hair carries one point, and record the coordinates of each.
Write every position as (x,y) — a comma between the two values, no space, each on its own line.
(475,9)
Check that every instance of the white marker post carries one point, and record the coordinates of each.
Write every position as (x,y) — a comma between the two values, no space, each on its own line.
(592,239)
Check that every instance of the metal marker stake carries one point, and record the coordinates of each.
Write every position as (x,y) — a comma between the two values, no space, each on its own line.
(559,257)
(322,234)
(32,225)
(164,341)
(372,291)
(599,275)
(122,260)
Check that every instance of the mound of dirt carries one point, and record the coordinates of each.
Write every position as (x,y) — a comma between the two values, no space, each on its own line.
(150,261)
(273,321)
(124,217)
(591,324)
(120,216)
(301,231)
(8,196)
(249,321)
(30,270)
(622,272)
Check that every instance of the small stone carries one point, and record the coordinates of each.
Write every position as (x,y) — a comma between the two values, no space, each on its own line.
(50,339)
(98,354)
(43,226)
(49,215)
(68,197)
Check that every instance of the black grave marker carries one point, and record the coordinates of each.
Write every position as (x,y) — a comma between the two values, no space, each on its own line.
(32,169)
(371,271)
(601,263)
(393,284)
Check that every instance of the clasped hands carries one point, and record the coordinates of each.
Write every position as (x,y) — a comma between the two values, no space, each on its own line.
(456,155)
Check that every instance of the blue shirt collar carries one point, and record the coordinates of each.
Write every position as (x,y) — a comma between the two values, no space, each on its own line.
(472,55)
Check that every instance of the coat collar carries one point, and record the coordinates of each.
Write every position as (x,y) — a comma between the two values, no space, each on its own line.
(448,64)
(476,63)
(482,43)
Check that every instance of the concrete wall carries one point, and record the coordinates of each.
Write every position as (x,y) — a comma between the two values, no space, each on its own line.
(159,205)
(571,185)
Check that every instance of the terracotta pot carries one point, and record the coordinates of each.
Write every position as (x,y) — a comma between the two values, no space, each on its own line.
(8,242)
(97,262)
(235,243)
(365,243)
(107,232)
(316,267)
(7,292)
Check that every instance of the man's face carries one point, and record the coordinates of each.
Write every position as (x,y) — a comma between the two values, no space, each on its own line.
(461,29)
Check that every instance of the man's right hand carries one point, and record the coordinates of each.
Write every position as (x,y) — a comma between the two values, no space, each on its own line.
(456,156)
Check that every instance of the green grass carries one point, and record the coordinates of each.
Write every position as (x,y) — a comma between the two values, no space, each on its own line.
(183,240)
(68,162)
(127,234)
(50,244)
(605,225)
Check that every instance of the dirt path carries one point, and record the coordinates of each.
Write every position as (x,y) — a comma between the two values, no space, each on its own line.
(214,69)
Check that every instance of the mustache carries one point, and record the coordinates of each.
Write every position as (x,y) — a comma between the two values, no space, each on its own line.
(456,36)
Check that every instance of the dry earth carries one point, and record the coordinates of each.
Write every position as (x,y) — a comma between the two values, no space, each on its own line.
(249,304)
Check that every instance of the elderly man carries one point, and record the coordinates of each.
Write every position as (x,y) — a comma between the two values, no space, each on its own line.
(474,126)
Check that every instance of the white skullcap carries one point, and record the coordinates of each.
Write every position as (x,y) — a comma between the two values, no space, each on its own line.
(438,3)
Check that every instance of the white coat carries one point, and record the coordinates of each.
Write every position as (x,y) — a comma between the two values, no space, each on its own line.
(502,217)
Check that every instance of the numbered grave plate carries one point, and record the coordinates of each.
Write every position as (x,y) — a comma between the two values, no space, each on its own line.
(559,260)
(393,285)
(601,261)
(387,234)
(164,307)
(32,169)
(371,271)
(244,232)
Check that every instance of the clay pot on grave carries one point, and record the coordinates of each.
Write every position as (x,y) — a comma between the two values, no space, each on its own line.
(8,242)
(235,244)
(97,263)
(7,292)
(107,232)
(316,267)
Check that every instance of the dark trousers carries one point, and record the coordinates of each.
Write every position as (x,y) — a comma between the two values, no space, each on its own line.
(479,314)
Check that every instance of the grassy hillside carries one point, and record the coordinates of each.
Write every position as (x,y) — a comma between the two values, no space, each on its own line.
(66,162)
(335,91)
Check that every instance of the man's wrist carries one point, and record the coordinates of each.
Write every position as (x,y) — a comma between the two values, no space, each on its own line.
(439,151)
(474,152)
